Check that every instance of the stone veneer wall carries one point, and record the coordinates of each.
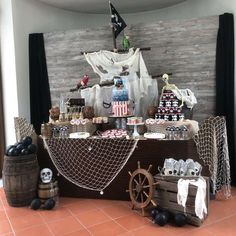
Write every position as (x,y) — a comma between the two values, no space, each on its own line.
(185,48)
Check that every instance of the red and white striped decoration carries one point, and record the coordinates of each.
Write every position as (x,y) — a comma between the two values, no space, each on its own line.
(120,108)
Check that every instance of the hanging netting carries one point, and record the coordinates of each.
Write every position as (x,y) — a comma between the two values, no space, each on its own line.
(212,147)
(23,129)
(90,163)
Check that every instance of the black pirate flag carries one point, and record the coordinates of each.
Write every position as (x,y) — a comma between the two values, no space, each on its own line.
(116,20)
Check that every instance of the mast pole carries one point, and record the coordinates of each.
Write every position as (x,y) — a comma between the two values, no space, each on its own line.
(113,32)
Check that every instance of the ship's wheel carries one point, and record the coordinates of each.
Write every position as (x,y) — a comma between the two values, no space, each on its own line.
(141,188)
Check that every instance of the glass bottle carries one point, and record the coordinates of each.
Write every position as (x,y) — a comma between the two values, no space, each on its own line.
(55,132)
(168,132)
(172,133)
(185,133)
(43,130)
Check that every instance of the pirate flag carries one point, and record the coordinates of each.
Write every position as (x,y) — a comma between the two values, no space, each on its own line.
(116,20)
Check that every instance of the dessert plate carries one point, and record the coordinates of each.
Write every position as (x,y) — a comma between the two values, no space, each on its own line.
(154,135)
(79,135)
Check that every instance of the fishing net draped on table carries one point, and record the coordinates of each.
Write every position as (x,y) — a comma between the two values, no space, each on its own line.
(212,147)
(90,163)
(23,128)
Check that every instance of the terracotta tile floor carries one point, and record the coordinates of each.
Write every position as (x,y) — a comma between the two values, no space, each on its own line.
(83,217)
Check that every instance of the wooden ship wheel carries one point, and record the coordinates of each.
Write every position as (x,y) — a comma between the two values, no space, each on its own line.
(141,188)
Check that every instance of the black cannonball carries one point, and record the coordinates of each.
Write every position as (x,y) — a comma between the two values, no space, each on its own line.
(161,219)
(49,204)
(35,204)
(9,150)
(25,151)
(27,141)
(13,151)
(180,219)
(167,214)
(154,212)
(32,148)
(20,146)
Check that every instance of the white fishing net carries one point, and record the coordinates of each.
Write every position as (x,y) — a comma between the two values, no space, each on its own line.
(212,147)
(23,128)
(90,163)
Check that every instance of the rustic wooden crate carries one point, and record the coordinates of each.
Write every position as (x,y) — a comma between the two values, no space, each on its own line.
(165,195)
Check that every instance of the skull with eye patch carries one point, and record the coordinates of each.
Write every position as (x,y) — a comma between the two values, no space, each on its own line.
(46,175)
(168,167)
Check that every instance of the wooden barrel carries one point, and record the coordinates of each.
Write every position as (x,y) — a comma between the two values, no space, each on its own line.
(48,190)
(20,178)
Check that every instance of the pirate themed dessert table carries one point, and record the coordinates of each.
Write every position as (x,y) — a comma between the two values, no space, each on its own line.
(90,162)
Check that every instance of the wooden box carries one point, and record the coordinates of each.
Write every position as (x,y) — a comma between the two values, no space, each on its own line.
(165,195)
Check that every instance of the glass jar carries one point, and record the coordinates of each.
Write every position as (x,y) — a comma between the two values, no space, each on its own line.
(172,133)
(64,132)
(178,133)
(167,132)
(55,132)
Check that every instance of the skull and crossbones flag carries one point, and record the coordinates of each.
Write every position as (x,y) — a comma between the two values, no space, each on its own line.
(117,21)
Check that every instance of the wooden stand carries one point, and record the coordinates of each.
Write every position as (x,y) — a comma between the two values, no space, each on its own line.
(166,195)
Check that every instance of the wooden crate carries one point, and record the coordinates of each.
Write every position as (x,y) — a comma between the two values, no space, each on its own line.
(165,195)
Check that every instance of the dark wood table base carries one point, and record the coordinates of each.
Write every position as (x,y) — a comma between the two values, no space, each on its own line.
(148,152)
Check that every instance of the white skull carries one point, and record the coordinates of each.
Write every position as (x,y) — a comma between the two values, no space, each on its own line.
(175,103)
(174,118)
(177,167)
(169,166)
(183,168)
(168,103)
(166,117)
(46,175)
(191,167)
(198,168)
